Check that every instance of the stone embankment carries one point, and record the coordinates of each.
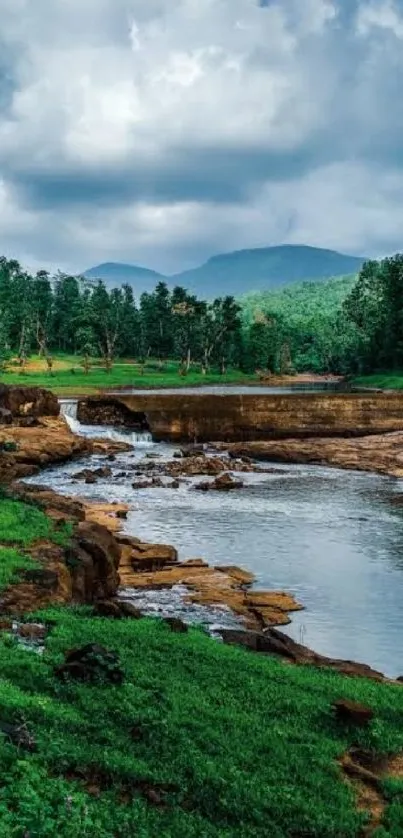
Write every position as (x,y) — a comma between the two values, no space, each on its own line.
(201,417)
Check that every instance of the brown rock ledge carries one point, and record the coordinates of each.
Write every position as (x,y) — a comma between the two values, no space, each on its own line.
(49,442)
(147,566)
(382,453)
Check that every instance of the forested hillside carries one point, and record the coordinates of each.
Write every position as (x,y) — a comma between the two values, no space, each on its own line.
(347,325)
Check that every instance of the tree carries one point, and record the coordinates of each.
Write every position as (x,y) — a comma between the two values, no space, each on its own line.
(221,326)
(107,318)
(42,310)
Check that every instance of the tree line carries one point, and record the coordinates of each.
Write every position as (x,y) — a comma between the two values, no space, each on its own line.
(52,314)
(345,326)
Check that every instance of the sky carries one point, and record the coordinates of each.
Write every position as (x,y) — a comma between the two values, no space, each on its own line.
(161,132)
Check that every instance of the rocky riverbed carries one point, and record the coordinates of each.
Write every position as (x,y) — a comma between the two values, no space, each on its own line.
(144,564)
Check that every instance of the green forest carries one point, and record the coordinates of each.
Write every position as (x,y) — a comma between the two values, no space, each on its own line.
(347,325)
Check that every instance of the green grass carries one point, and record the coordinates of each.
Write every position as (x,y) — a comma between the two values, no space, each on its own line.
(20,526)
(384,380)
(123,374)
(249,743)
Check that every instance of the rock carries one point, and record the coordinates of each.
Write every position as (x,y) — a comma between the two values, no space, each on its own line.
(192,451)
(257,642)
(32,631)
(244,577)
(127,609)
(117,609)
(350,712)
(275,642)
(35,448)
(100,574)
(6,417)
(176,625)
(142,557)
(111,458)
(91,475)
(28,401)
(92,664)
(382,453)
(223,483)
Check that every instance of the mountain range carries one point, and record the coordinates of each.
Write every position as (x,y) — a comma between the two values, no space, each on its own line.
(258,269)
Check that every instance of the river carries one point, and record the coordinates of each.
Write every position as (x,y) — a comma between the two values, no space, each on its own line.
(333,538)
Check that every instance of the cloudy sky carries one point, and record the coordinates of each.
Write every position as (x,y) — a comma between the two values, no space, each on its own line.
(160,132)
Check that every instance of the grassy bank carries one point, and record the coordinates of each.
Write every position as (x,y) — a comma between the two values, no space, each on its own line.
(69,378)
(200,741)
(21,526)
(384,380)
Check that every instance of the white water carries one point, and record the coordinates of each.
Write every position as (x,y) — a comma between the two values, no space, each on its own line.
(68,409)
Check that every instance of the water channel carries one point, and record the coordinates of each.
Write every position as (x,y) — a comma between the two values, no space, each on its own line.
(333,538)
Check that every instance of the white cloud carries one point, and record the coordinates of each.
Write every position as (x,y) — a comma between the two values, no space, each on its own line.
(380,15)
(163,131)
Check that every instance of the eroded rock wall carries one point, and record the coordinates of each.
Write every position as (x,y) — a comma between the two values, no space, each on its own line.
(236,418)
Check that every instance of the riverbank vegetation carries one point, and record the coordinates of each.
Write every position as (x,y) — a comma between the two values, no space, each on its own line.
(78,327)
(21,526)
(199,740)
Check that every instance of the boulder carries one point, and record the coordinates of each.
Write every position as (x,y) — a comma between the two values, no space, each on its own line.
(272,641)
(224,483)
(176,625)
(6,417)
(92,664)
(94,562)
(91,475)
(351,712)
(116,609)
(28,401)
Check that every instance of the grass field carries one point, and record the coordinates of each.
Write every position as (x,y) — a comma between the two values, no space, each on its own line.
(384,381)
(69,378)
(200,741)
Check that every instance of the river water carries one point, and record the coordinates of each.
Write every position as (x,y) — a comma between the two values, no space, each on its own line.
(333,538)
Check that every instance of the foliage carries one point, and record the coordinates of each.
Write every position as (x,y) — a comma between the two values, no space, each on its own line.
(75,315)
(375,308)
(304,323)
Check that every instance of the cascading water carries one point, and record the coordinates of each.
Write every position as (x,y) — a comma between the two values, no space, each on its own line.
(68,409)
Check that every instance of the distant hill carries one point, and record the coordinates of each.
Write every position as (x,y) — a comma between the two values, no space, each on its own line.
(266,268)
(241,272)
(115,273)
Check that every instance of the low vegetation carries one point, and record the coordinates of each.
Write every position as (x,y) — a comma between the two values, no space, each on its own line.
(201,740)
(21,525)
(382,381)
(68,377)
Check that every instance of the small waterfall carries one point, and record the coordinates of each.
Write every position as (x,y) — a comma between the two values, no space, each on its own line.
(68,409)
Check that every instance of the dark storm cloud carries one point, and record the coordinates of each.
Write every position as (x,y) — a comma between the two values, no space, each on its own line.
(200,127)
